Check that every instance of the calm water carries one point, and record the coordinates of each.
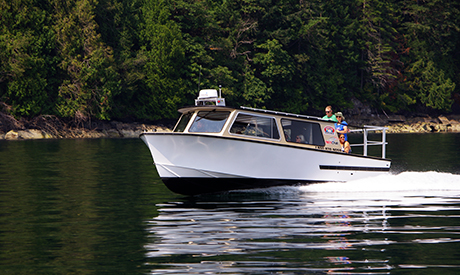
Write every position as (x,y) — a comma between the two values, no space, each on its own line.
(98,207)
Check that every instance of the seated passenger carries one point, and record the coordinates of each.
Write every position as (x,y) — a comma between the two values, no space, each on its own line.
(300,139)
(198,126)
(287,137)
(344,144)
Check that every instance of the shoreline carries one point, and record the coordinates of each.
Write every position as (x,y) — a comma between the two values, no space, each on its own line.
(51,127)
(398,124)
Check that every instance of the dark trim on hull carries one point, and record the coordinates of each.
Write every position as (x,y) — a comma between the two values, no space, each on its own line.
(354,168)
(196,186)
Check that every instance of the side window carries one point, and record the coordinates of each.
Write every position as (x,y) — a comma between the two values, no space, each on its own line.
(209,122)
(257,126)
(183,121)
(302,132)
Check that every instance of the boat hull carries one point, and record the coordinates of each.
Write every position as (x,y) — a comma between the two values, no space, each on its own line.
(195,186)
(192,163)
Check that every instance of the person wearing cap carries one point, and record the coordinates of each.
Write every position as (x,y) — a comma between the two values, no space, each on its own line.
(341,126)
(329,115)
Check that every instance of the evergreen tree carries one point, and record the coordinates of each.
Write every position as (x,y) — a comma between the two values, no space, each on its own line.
(27,61)
(163,49)
(90,78)
(432,32)
(119,25)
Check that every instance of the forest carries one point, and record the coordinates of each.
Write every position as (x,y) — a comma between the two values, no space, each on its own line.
(142,59)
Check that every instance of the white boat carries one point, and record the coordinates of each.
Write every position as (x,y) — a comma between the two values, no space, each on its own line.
(215,148)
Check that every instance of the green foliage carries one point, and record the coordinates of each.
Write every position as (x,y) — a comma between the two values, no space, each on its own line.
(435,89)
(164,49)
(143,59)
(432,33)
(26,58)
(89,80)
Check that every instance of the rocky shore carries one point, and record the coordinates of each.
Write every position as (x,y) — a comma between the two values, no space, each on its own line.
(413,124)
(51,127)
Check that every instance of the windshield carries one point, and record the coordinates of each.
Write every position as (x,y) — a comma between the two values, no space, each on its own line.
(209,122)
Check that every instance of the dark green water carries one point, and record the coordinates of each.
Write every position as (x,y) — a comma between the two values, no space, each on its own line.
(75,206)
(98,207)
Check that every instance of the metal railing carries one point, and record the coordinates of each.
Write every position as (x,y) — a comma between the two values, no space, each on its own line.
(366,142)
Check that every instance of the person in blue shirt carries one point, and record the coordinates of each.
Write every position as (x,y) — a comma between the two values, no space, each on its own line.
(341,126)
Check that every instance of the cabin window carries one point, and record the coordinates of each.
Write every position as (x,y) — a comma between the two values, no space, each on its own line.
(302,132)
(209,122)
(257,126)
(183,121)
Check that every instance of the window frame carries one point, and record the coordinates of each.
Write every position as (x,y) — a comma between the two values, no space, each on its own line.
(175,130)
(274,125)
(315,132)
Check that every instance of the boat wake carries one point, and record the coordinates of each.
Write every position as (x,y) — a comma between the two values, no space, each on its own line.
(384,187)
(406,181)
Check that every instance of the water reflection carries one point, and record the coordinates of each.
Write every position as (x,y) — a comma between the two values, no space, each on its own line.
(74,206)
(307,228)
(98,206)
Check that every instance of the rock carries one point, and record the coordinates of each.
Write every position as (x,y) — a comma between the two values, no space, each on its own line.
(47,135)
(95,134)
(130,133)
(444,120)
(11,135)
(441,128)
(112,133)
(30,134)
(455,128)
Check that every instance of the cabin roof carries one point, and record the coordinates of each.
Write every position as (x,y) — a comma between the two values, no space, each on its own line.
(243,108)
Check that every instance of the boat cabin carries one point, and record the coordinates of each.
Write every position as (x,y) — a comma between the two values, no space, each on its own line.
(254,124)
(210,116)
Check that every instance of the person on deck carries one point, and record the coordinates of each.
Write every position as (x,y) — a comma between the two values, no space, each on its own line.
(329,115)
(344,144)
(341,126)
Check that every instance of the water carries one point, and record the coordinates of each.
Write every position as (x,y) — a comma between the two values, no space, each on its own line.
(98,207)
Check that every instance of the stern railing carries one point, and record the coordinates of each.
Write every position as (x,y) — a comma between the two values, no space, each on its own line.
(366,142)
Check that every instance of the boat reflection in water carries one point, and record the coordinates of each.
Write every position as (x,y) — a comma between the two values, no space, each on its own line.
(217,148)
(263,231)
(370,226)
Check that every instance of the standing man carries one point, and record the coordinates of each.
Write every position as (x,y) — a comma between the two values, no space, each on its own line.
(329,115)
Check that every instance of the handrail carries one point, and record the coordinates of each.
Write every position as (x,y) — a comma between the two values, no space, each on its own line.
(279,113)
(366,142)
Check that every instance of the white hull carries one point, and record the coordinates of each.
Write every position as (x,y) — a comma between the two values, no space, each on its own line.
(195,156)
